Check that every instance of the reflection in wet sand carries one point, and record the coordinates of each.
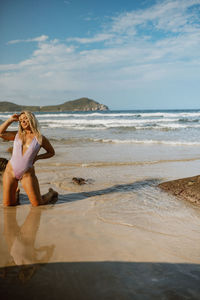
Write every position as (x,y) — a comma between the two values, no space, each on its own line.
(21,243)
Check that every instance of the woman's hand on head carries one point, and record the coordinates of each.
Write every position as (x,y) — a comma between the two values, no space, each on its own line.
(8,135)
(14,118)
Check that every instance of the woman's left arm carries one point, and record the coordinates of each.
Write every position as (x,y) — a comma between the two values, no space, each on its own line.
(48,147)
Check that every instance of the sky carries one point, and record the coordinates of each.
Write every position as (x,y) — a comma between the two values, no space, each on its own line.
(127,54)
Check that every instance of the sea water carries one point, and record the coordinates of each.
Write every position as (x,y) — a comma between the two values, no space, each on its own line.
(115,138)
(130,132)
(174,127)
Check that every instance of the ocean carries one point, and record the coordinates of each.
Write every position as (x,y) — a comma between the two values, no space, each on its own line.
(123,136)
(172,127)
(120,138)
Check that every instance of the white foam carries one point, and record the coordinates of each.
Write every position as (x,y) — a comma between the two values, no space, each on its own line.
(110,123)
(122,114)
(133,141)
(106,120)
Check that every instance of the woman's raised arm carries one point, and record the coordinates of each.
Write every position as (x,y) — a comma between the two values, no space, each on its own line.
(8,135)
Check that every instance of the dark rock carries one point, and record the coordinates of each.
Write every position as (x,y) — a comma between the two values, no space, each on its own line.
(79,180)
(185,188)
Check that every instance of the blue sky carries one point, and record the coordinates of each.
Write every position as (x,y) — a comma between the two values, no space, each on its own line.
(128,54)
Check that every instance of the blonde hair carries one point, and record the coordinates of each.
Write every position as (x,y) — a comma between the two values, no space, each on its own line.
(34,125)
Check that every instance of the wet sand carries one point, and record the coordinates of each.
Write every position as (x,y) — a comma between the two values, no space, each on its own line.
(71,251)
(117,237)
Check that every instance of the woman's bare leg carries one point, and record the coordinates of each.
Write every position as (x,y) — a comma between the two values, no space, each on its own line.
(10,184)
(30,227)
(11,228)
(31,187)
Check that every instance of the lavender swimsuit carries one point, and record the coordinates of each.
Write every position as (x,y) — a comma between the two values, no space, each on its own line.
(21,163)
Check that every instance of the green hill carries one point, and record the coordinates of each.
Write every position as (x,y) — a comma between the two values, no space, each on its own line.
(82,104)
(9,106)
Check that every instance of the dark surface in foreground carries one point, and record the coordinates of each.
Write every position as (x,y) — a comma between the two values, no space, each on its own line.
(185,188)
(101,280)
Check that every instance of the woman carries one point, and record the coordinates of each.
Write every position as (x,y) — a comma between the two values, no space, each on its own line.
(27,143)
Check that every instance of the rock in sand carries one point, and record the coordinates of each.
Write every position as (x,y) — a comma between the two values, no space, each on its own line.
(185,188)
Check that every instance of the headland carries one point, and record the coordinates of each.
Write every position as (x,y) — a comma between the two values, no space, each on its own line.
(82,104)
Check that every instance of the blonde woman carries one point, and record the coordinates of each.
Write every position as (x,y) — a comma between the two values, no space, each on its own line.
(27,143)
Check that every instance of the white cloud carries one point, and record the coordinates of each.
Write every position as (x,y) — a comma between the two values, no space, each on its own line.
(101,37)
(41,38)
(166,15)
(131,56)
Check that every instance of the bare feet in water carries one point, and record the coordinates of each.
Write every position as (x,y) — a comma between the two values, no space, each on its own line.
(50,197)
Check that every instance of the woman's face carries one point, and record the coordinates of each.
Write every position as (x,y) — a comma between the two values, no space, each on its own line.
(24,121)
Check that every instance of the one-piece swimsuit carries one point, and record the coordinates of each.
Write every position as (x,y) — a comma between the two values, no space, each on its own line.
(22,162)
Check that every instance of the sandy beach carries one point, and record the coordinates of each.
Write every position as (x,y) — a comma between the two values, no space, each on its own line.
(117,237)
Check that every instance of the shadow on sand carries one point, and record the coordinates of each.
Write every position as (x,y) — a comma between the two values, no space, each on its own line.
(120,188)
(101,280)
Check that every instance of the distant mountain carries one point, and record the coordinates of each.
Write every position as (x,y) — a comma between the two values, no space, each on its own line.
(82,104)
(9,106)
